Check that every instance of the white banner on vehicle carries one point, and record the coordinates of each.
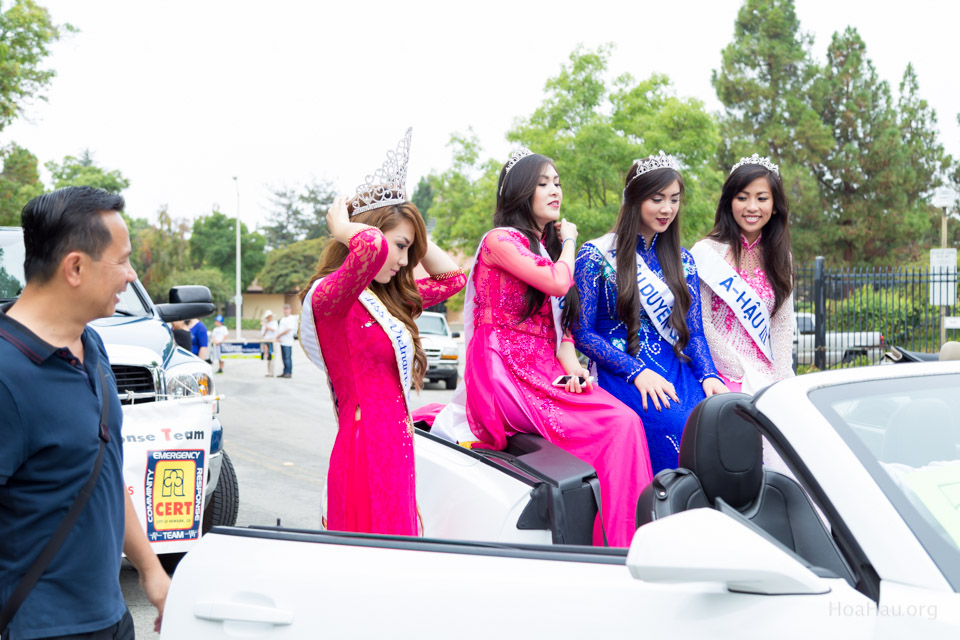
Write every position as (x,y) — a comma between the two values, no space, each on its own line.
(166,452)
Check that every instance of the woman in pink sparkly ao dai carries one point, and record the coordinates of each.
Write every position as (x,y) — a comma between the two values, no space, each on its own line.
(518,345)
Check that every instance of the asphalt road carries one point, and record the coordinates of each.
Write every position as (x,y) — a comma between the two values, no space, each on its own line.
(278,433)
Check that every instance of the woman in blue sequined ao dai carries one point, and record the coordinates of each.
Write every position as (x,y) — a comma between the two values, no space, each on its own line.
(640,321)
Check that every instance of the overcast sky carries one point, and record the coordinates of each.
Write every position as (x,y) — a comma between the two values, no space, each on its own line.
(182,96)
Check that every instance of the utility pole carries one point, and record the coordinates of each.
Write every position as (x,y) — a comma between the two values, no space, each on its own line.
(238,300)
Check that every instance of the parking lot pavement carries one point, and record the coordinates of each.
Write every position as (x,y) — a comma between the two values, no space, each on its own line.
(278,433)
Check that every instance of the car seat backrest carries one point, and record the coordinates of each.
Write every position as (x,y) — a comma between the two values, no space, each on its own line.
(723,450)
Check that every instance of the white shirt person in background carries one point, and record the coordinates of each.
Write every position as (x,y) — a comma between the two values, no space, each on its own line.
(287,331)
(268,335)
(220,333)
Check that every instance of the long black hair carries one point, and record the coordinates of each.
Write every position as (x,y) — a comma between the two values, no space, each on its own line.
(515,191)
(635,192)
(775,237)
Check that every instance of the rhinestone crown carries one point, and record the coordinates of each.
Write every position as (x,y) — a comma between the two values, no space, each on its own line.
(651,163)
(517,156)
(756,159)
(387,185)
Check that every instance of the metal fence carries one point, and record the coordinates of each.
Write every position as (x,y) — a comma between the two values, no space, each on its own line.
(848,315)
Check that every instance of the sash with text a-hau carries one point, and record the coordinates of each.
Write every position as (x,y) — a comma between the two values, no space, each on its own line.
(166,455)
(736,293)
(398,333)
(655,295)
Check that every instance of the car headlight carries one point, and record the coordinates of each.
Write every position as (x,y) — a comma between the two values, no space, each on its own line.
(450,353)
(190,379)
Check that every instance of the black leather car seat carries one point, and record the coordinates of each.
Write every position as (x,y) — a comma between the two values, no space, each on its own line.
(721,456)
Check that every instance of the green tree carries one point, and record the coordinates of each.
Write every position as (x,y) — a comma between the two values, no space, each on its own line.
(594,132)
(423,196)
(159,251)
(19,182)
(26,32)
(213,244)
(316,197)
(285,219)
(83,171)
(221,288)
(288,269)
(873,182)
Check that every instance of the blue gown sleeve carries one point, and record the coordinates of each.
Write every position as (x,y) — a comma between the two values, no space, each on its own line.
(588,274)
(697,349)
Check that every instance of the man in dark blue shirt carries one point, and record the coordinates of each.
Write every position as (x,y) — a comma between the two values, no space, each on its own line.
(77,263)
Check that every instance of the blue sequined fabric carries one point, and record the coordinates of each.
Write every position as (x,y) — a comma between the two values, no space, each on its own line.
(602,336)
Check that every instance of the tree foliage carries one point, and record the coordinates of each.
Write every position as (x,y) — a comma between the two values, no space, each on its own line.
(19,182)
(221,288)
(593,128)
(83,171)
(858,163)
(159,251)
(26,32)
(288,269)
(213,244)
(298,213)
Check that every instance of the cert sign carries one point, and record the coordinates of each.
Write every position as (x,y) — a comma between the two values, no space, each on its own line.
(173,491)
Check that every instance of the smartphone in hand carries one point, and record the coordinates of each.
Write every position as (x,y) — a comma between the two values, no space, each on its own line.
(563,380)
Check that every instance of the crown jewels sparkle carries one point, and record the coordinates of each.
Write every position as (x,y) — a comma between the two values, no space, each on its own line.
(517,156)
(652,163)
(756,159)
(387,185)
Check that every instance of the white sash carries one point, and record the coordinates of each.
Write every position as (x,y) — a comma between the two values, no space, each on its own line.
(398,333)
(736,293)
(451,423)
(655,295)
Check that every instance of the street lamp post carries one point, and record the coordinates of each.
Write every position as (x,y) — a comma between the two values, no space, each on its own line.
(239,298)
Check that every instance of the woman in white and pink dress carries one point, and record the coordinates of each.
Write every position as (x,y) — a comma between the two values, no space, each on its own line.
(746,279)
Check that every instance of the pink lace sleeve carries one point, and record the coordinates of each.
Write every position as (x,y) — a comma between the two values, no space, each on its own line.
(511,252)
(339,290)
(436,291)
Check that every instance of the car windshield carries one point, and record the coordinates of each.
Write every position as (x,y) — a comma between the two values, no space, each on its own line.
(11,265)
(130,303)
(910,428)
(432,325)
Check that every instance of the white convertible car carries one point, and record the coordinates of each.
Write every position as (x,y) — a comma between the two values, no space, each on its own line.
(867,545)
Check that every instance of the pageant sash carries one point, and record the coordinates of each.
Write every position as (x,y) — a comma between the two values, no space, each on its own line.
(398,333)
(736,293)
(451,423)
(655,295)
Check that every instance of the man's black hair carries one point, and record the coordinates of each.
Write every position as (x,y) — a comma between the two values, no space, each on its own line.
(65,220)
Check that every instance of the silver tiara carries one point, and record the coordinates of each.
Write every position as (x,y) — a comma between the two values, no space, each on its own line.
(756,159)
(388,184)
(517,156)
(652,163)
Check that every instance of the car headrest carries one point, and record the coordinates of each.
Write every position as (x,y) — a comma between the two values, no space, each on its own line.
(723,450)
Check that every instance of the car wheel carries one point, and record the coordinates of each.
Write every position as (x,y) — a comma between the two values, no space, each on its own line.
(451,382)
(222,510)
(225,502)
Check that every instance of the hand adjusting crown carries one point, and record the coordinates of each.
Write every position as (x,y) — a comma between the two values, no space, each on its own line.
(387,185)
(756,159)
(517,156)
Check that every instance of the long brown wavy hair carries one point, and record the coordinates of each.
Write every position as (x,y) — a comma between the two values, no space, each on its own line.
(775,237)
(400,296)
(627,229)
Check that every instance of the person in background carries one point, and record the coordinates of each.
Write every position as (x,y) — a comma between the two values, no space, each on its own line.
(287,331)
(56,392)
(220,333)
(181,335)
(268,334)
(201,342)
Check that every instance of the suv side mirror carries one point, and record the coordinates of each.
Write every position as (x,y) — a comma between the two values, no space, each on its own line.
(455,334)
(188,301)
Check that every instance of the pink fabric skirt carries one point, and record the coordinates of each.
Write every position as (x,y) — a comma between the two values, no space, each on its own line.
(371,485)
(505,397)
